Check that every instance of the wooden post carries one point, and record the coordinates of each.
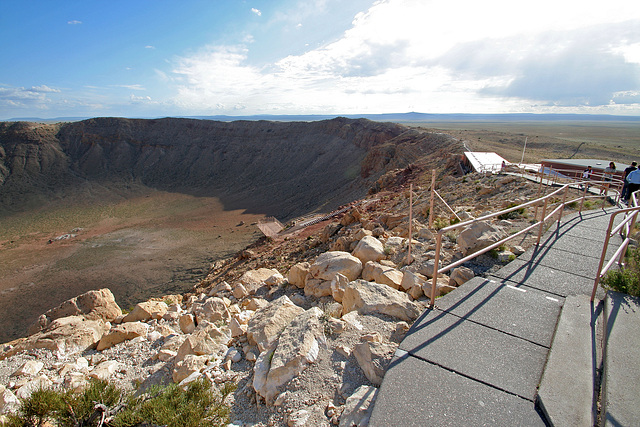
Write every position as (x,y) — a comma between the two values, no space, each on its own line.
(433,196)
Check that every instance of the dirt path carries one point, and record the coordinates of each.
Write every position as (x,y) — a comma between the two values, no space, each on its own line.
(151,245)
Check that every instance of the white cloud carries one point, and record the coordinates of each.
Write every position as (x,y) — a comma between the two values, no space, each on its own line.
(436,56)
(132,87)
(74,22)
(256,11)
(149,47)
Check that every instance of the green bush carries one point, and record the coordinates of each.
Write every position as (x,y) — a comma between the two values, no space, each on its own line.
(518,213)
(170,406)
(627,278)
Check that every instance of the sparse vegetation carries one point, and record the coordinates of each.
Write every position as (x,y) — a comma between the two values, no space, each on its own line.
(515,214)
(627,278)
(102,404)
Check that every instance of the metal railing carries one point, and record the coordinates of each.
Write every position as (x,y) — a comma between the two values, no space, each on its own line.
(544,202)
(624,228)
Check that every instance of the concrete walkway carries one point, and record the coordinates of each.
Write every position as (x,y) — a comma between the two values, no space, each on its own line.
(478,357)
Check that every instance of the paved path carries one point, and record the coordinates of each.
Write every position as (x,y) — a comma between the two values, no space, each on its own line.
(477,358)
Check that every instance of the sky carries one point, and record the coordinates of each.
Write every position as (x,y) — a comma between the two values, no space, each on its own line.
(158,58)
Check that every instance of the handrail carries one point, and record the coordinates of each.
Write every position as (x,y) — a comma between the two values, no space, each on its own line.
(624,228)
(544,201)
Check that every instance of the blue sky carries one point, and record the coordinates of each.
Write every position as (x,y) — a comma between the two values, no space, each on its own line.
(152,58)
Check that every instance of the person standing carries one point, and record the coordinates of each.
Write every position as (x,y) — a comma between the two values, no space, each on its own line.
(634,182)
(625,185)
(586,175)
(608,177)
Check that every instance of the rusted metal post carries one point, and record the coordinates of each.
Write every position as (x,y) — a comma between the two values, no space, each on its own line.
(564,200)
(433,197)
(409,260)
(544,213)
(602,257)
(435,269)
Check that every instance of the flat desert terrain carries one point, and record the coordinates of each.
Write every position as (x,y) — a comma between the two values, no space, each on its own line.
(149,245)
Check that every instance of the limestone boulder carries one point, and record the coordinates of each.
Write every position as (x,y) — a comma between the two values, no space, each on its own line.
(254,279)
(212,310)
(29,368)
(65,335)
(298,274)
(187,366)
(206,340)
(461,275)
(370,297)
(147,310)
(267,323)
(338,285)
(358,407)
(8,401)
(478,236)
(328,264)
(92,305)
(373,358)
(317,288)
(121,333)
(369,249)
(187,323)
(297,347)
(35,384)
(104,370)
(375,272)
(412,283)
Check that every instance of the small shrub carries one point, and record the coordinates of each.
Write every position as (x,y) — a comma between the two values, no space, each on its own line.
(518,213)
(197,406)
(627,278)
(439,223)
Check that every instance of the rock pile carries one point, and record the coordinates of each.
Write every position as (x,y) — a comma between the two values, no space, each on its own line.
(307,344)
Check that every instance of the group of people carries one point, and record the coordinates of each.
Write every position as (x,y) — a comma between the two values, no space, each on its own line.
(630,176)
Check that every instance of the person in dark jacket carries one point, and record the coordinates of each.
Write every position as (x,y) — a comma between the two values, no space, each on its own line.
(625,187)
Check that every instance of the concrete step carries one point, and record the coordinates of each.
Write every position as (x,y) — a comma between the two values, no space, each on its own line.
(566,394)
(621,377)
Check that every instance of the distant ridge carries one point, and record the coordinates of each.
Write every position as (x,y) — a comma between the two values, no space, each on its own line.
(411,117)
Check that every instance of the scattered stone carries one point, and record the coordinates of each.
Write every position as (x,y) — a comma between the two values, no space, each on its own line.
(298,274)
(329,264)
(92,305)
(369,297)
(147,310)
(373,358)
(29,368)
(267,324)
(478,236)
(461,275)
(369,249)
(358,407)
(120,333)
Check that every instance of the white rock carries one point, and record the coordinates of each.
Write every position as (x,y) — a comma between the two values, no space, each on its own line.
(104,370)
(338,285)
(29,368)
(373,358)
(187,366)
(477,236)
(329,264)
(120,333)
(369,249)
(8,401)
(375,272)
(267,323)
(358,407)
(147,310)
(370,297)
(298,273)
(298,418)
(461,275)
(187,323)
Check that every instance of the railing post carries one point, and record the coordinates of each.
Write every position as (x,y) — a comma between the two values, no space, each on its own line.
(409,260)
(602,256)
(544,213)
(584,196)
(436,260)
(433,196)
(564,200)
